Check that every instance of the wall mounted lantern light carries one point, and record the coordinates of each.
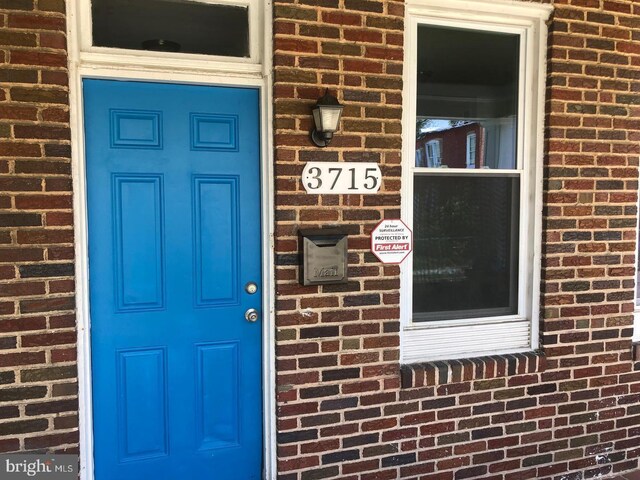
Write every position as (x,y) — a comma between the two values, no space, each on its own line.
(326,116)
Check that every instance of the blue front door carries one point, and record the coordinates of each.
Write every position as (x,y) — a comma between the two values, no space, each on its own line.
(173,182)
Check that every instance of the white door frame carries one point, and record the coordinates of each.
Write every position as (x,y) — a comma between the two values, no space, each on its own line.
(169,68)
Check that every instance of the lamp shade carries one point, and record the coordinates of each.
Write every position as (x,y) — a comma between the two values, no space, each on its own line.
(326,116)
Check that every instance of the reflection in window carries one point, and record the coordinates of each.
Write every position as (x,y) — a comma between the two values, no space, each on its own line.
(471,150)
(468,83)
(434,155)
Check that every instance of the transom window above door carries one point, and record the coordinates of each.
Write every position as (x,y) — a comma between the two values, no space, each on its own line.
(172,34)
(171,26)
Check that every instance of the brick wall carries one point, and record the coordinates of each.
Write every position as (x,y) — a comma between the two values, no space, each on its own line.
(572,411)
(38,390)
(344,408)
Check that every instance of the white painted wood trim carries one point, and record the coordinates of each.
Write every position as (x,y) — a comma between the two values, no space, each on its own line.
(508,12)
(408,162)
(539,84)
(481,172)
(168,64)
(268,250)
(85,403)
(421,342)
(484,339)
(164,69)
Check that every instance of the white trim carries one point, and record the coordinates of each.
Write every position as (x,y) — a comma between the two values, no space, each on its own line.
(163,68)
(268,250)
(484,340)
(167,64)
(421,342)
(506,12)
(486,172)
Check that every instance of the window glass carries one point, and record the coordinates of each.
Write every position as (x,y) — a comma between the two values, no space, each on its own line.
(171,26)
(465,246)
(467,82)
(466,220)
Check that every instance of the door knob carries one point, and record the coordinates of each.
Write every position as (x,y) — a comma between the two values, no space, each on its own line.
(251,315)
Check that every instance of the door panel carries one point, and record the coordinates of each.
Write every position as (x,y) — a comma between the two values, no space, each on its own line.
(218,395)
(216,240)
(173,182)
(142,426)
(138,206)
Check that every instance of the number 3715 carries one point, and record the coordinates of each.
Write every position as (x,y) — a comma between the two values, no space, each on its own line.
(341,177)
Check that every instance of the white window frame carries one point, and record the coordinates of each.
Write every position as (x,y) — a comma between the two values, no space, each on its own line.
(471,159)
(466,338)
(110,57)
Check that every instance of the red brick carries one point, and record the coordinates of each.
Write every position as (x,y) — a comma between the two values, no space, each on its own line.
(30,21)
(19,57)
(342,18)
(43,202)
(45,236)
(23,358)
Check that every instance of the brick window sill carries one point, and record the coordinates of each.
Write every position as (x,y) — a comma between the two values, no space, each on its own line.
(444,372)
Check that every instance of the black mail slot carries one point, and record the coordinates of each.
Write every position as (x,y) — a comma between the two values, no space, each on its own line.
(324,256)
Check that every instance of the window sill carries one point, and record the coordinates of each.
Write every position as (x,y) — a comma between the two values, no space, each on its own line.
(444,372)
(461,339)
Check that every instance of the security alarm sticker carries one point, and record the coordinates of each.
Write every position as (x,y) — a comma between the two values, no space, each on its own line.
(391,241)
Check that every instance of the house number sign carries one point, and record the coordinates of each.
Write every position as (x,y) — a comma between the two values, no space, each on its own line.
(341,177)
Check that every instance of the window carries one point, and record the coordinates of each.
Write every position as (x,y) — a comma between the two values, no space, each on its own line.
(434,157)
(470,287)
(193,35)
(171,26)
(471,150)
